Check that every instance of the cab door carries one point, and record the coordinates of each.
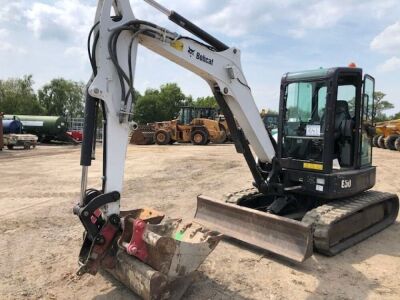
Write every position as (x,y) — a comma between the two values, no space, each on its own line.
(367,115)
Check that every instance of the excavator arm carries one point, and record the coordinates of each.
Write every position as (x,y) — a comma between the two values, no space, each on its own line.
(114,56)
(155,258)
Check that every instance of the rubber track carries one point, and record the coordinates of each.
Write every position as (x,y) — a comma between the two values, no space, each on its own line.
(235,197)
(325,216)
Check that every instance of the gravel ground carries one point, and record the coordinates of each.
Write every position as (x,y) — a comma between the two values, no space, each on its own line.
(40,238)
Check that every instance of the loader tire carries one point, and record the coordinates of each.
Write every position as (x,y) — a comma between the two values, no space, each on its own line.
(381,142)
(199,137)
(397,144)
(162,137)
(10,147)
(389,142)
(375,141)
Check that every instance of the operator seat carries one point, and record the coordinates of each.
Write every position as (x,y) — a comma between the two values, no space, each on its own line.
(341,114)
(343,134)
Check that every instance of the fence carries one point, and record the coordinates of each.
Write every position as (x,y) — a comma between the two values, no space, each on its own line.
(77,124)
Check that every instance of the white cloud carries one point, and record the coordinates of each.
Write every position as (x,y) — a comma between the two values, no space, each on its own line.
(239,18)
(321,14)
(390,65)
(317,14)
(4,33)
(388,41)
(8,48)
(313,16)
(275,36)
(78,53)
(63,20)
(380,8)
(10,10)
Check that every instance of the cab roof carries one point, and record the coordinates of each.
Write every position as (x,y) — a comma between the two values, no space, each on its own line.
(321,73)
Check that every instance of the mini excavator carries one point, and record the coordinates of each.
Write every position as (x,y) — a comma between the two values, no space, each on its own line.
(310,190)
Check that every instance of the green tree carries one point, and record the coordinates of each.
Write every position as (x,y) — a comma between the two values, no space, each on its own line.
(147,108)
(62,97)
(380,106)
(18,97)
(160,105)
(395,116)
(171,99)
(189,101)
(208,101)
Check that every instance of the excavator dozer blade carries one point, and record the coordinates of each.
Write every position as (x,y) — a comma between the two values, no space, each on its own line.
(284,237)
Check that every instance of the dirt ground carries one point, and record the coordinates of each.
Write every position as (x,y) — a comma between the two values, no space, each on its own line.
(40,237)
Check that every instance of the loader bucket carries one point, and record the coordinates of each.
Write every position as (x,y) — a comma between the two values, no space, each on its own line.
(143,135)
(284,237)
(161,262)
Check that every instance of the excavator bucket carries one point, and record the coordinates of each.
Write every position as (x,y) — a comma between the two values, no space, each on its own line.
(284,237)
(158,260)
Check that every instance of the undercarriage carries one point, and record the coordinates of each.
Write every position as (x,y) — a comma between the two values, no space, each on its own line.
(303,224)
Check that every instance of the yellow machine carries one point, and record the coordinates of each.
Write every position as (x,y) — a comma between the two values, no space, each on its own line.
(388,135)
(195,125)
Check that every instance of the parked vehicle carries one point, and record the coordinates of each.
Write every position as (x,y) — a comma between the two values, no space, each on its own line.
(47,128)
(25,141)
(12,135)
(196,125)
(387,135)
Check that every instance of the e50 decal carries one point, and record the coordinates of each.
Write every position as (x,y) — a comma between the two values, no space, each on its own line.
(346,183)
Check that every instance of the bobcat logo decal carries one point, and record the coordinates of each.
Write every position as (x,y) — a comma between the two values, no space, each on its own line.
(191,51)
(199,56)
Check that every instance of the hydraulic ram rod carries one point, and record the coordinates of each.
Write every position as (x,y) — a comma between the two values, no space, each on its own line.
(87,142)
(189,26)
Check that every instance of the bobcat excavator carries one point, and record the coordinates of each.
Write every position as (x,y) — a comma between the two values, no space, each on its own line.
(310,189)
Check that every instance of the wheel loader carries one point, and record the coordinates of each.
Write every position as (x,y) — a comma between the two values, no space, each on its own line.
(196,125)
(387,135)
(310,189)
(193,125)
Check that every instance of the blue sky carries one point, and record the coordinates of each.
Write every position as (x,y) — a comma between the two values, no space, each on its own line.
(48,39)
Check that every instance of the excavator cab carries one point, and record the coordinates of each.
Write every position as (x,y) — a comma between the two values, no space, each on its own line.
(324,141)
